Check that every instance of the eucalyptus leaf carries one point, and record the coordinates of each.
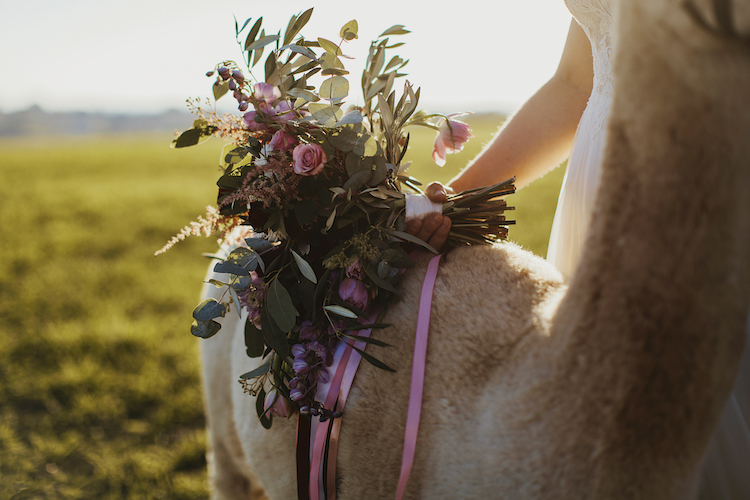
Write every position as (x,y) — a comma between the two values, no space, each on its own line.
(352,117)
(329,46)
(192,136)
(260,245)
(341,311)
(303,94)
(372,272)
(334,88)
(261,370)
(304,267)
(358,179)
(204,329)
(325,114)
(349,30)
(280,306)
(209,309)
(330,220)
(254,342)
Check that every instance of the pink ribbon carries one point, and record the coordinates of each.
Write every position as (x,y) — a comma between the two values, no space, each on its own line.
(417,375)
(341,384)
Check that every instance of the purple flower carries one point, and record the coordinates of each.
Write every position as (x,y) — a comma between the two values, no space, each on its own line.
(282,113)
(252,122)
(451,137)
(353,291)
(266,93)
(309,332)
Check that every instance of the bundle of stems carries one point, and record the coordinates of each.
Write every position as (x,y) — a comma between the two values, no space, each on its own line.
(477,215)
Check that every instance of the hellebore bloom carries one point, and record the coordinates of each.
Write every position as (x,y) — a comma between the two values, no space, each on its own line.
(450,138)
(282,141)
(308,159)
(275,404)
(352,291)
(355,270)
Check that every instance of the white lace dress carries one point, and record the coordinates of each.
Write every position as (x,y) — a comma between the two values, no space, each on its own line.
(726,468)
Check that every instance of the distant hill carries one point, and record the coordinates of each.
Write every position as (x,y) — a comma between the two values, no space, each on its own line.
(36,121)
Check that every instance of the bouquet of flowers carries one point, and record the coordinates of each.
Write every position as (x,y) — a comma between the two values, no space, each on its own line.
(311,204)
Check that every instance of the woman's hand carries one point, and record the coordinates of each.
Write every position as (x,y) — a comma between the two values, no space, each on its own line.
(435,228)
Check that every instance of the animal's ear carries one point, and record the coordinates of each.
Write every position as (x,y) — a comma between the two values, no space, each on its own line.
(729,18)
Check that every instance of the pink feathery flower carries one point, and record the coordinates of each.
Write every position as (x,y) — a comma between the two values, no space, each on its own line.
(451,138)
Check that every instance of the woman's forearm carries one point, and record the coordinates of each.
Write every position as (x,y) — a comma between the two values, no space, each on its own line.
(534,141)
(539,136)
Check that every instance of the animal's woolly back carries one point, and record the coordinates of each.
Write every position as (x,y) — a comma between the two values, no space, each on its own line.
(608,390)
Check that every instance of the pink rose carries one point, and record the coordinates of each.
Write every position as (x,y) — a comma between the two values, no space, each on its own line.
(281,141)
(450,139)
(308,159)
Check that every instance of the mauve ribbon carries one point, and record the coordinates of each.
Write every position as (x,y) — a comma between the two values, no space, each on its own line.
(339,389)
(417,375)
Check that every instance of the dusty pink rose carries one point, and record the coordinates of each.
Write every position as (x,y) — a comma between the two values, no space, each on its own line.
(276,405)
(308,159)
(282,141)
(450,138)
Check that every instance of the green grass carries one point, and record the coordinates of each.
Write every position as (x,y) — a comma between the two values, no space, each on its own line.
(99,377)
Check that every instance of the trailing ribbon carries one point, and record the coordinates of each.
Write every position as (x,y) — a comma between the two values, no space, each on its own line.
(326,434)
(338,391)
(417,375)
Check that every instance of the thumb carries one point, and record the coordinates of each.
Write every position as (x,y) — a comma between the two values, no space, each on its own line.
(436,192)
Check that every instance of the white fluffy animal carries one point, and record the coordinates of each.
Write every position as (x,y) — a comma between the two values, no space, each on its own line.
(607,388)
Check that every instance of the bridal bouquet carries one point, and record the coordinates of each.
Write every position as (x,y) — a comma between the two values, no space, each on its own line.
(311,204)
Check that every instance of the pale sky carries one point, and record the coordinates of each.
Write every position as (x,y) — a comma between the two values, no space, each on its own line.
(144,56)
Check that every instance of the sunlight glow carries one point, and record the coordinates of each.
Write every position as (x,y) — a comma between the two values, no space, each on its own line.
(150,55)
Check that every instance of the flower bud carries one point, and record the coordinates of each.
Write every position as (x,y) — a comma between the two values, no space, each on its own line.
(209,73)
(232,85)
(243,106)
(275,404)
(224,72)
(237,75)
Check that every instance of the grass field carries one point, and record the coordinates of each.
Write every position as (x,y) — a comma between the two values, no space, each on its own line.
(100,393)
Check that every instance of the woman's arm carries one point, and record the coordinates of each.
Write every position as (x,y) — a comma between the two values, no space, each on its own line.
(539,136)
(531,143)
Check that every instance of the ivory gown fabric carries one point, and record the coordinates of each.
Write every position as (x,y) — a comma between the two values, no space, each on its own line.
(726,468)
